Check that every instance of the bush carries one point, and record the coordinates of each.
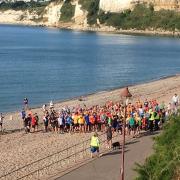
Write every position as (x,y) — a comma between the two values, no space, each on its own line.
(165,162)
(92,7)
(142,17)
(67,11)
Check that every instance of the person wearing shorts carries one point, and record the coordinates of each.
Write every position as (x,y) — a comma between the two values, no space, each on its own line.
(81,121)
(75,120)
(95,143)
(132,125)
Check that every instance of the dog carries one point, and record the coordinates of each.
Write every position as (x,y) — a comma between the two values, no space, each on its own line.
(115,145)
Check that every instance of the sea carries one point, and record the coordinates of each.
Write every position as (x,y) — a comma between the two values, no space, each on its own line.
(45,64)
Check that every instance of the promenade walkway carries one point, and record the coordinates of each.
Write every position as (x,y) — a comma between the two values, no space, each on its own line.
(108,166)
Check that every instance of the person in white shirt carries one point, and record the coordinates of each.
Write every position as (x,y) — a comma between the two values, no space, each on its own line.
(175,99)
(51,105)
(44,107)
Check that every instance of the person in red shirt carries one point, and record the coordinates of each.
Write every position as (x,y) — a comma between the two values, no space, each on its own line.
(33,123)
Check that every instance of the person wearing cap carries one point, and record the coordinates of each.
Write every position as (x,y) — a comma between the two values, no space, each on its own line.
(94,144)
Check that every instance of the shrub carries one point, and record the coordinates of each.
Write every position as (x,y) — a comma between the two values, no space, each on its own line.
(165,162)
(67,11)
(142,17)
(92,7)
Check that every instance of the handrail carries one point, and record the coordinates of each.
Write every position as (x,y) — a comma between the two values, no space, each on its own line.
(45,157)
(57,161)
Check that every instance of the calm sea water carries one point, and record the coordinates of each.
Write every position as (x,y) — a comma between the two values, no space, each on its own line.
(50,64)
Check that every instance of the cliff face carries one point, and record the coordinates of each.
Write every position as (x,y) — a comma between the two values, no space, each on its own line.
(50,16)
(120,5)
(52,13)
(166,4)
(115,5)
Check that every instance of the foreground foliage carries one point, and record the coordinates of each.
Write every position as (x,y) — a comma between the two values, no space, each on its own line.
(164,164)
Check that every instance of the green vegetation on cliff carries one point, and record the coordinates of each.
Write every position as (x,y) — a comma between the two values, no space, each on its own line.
(21,5)
(67,11)
(165,162)
(142,17)
(92,7)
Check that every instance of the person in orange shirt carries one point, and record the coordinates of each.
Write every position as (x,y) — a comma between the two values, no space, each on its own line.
(129,109)
(33,122)
(92,121)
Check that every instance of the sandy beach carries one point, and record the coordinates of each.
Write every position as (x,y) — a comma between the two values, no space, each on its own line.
(18,149)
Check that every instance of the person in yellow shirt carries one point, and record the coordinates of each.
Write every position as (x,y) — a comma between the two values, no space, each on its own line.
(75,119)
(94,144)
(81,121)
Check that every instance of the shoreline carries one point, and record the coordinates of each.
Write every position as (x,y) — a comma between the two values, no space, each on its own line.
(102,29)
(38,106)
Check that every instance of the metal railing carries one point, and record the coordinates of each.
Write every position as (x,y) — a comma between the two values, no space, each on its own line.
(56,162)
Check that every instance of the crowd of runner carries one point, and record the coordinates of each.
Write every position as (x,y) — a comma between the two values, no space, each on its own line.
(141,115)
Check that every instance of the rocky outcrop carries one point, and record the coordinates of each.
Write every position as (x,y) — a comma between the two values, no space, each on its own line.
(52,14)
(18,17)
(80,16)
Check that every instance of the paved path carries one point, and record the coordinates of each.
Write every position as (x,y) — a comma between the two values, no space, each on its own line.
(108,166)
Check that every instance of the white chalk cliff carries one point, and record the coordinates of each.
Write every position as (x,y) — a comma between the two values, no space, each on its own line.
(115,5)
(121,5)
(51,14)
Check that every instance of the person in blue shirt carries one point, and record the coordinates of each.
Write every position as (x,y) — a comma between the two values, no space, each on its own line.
(68,123)
(87,122)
